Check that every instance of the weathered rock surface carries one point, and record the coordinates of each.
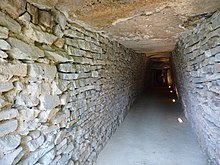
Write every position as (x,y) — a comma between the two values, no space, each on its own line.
(197,73)
(39,36)
(22,50)
(49,101)
(17,69)
(8,127)
(8,22)
(3,32)
(3,54)
(8,114)
(56,87)
(4,45)
(9,142)
(9,159)
(42,71)
(6,86)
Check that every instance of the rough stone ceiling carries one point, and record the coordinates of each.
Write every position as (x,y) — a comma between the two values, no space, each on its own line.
(147,26)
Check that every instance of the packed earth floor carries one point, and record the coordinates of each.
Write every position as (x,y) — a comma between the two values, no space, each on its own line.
(155,132)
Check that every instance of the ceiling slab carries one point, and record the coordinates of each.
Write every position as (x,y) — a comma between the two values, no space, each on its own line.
(146,26)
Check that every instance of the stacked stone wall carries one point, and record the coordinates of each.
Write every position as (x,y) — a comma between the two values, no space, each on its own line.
(64,89)
(196,64)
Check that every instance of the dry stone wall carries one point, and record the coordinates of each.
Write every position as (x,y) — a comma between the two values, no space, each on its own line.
(63,89)
(196,63)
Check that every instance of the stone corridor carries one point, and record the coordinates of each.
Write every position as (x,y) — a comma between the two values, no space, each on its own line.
(70,71)
(152,135)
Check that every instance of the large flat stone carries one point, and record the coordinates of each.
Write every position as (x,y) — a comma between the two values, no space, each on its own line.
(8,159)
(22,50)
(4,45)
(36,155)
(35,143)
(9,142)
(9,23)
(49,102)
(39,36)
(8,127)
(3,54)
(4,32)
(58,56)
(8,114)
(6,86)
(42,71)
(17,69)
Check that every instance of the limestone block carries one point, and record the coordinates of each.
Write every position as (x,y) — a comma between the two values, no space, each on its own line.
(17,69)
(35,155)
(69,148)
(58,31)
(36,143)
(58,56)
(42,71)
(215,50)
(37,35)
(10,158)
(59,137)
(49,102)
(82,44)
(22,50)
(73,51)
(28,114)
(25,18)
(60,19)
(48,157)
(4,45)
(217,67)
(217,57)
(50,129)
(59,42)
(59,118)
(35,134)
(61,144)
(6,86)
(25,99)
(8,114)
(44,18)
(83,60)
(67,67)
(72,42)
(65,98)
(3,32)
(215,21)
(55,88)
(9,142)
(3,102)
(70,33)
(8,127)
(9,23)
(68,76)
(33,12)
(3,54)
(44,116)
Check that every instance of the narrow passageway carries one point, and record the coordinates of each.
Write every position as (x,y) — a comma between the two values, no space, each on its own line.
(152,135)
